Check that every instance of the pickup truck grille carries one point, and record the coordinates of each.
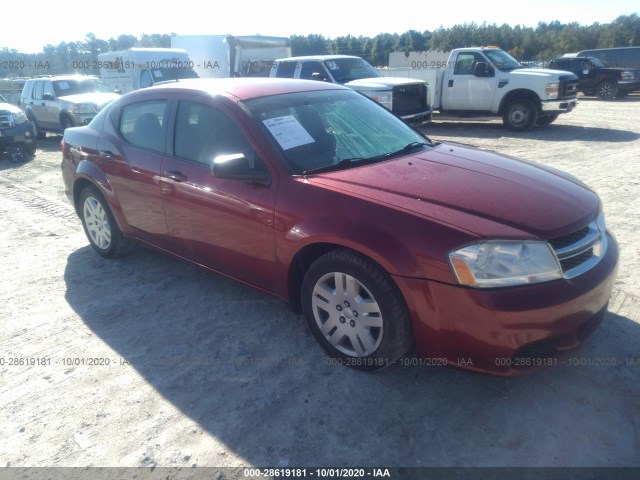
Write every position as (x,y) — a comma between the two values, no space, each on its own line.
(409,99)
(568,87)
(6,120)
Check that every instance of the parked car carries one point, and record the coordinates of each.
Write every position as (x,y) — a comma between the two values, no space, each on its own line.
(16,135)
(595,79)
(54,103)
(625,57)
(318,195)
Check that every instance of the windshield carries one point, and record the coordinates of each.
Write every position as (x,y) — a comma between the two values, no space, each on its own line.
(168,74)
(320,129)
(347,69)
(74,87)
(502,60)
(592,62)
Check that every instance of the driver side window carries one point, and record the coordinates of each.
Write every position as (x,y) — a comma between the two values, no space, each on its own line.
(203,133)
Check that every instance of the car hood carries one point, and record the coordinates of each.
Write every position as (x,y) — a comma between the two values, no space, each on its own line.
(457,185)
(380,82)
(541,72)
(100,99)
(8,108)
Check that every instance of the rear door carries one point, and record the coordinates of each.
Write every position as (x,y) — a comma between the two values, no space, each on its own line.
(136,147)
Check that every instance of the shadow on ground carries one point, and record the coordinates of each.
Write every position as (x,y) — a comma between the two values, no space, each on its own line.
(246,369)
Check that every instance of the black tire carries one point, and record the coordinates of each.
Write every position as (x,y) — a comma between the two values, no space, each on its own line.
(66,122)
(520,115)
(369,339)
(35,129)
(606,90)
(548,119)
(99,224)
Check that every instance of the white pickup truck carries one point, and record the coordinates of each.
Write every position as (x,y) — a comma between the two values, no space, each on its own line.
(488,81)
(406,97)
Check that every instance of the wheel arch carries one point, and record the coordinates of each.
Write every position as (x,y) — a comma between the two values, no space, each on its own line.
(87,174)
(303,259)
(520,93)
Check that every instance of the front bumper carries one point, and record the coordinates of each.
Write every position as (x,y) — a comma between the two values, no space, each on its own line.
(559,106)
(417,119)
(17,135)
(81,119)
(509,331)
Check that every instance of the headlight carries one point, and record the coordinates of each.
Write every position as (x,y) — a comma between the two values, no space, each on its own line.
(82,108)
(383,98)
(628,75)
(551,90)
(19,118)
(504,264)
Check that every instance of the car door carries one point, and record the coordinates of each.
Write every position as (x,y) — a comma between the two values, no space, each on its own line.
(136,146)
(37,104)
(465,90)
(227,225)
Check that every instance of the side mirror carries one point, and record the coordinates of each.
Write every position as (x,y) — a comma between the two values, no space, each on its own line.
(47,96)
(236,166)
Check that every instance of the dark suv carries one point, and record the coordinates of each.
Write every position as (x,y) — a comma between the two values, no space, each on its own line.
(597,79)
(16,136)
(56,103)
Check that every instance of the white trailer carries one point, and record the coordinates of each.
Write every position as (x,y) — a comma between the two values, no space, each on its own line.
(223,56)
(135,68)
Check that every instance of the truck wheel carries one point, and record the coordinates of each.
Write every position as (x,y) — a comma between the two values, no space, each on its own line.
(35,129)
(66,122)
(548,119)
(606,90)
(520,115)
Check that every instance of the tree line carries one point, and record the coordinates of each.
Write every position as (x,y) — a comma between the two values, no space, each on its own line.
(540,43)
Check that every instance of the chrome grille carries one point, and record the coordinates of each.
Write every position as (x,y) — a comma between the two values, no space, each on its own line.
(6,120)
(581,250)
(409,99)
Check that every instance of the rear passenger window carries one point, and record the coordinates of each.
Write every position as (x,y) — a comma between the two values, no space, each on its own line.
(286,70)
(142,124)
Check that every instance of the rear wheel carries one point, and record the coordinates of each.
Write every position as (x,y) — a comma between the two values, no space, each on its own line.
(100,225)
(520,114)
(355,310)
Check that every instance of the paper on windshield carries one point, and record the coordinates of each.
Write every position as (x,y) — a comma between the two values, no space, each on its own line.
(288,131)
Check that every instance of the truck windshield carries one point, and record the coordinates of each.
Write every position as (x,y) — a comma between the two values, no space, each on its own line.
(347,69)
(75,87)
(332,130)
(168,74)
(502,60)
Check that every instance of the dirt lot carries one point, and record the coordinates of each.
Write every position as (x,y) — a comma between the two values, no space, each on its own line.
(147,361)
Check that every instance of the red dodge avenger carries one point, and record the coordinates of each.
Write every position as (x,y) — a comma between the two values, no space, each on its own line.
(382,238)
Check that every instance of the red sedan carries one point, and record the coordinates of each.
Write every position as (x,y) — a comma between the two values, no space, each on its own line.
(383,238)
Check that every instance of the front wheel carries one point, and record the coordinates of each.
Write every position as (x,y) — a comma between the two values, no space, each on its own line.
(606,90)
(99,224)
(520,115)
(548,119)
(355,311)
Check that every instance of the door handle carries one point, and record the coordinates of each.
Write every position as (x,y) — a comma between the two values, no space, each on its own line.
(451,83)
(175,176)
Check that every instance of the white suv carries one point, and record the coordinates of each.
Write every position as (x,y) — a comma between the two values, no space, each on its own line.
(54,103)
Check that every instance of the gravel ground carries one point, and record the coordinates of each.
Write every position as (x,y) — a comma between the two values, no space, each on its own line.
(147,361)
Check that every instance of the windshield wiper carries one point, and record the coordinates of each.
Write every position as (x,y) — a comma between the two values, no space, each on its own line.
(347,162)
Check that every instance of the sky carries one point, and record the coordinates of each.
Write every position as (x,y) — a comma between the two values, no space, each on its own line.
(54,22)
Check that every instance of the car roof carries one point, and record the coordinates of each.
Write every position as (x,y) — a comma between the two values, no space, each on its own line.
(242,88)
(318,57)
(70,76)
